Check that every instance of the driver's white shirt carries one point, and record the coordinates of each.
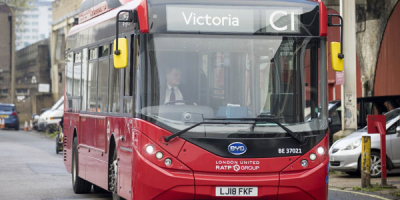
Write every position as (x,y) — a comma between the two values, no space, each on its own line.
(178,94)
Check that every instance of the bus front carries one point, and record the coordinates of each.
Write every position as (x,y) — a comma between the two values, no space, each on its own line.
(232,100)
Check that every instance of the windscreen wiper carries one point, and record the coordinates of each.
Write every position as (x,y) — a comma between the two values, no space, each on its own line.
(206,121)
(298,137)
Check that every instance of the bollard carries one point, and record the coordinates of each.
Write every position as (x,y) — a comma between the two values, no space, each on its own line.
(26,126)
(3,123)
(366,162)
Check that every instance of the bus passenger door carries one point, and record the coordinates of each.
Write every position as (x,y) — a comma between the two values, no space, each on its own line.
(126,125)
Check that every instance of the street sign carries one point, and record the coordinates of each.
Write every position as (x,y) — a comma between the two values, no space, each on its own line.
(371,120)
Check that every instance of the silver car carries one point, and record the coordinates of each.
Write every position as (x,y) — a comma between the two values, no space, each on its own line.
(345,154)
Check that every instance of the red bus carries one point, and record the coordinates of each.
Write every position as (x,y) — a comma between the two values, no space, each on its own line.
(200,100)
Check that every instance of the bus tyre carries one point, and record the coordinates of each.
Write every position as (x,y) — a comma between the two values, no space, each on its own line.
(79,185)
(113,176)
(99,190)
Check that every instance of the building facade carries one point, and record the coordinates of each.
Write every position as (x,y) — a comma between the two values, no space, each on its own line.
(36,24)
(65,15)
(33,79)
(5,53)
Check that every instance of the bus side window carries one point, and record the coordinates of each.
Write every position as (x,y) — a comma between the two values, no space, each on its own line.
(114,87)
(69,70)
(85,61)
(77,76)
(103,79)
(129,76)
(92,85)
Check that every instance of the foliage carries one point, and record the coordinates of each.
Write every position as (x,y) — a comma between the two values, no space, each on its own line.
(51,135)
(374,188)
(395,193)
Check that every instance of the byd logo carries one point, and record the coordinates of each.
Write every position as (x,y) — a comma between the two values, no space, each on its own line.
(237,148)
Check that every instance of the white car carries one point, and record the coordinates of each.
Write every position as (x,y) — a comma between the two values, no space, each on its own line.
(345,153)
(52,116)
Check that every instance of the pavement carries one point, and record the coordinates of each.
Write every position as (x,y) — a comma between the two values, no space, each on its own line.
(339,181)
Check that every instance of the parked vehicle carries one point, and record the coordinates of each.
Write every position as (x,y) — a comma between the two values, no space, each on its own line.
(10,114)
(345,154)
(51,117)
(60,136)
(366,106)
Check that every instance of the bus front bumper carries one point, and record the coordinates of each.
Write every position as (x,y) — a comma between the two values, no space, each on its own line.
(161,183)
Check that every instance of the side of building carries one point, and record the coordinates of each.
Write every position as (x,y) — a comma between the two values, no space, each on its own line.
(5,54)
(65,15)
(33,79)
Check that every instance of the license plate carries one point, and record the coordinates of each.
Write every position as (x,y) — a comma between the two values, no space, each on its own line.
(236,191)
(3,116)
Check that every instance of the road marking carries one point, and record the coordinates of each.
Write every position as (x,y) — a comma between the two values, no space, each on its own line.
(360,193)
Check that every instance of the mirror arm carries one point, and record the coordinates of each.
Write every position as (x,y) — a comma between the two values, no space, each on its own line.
(330,24)
(130,19)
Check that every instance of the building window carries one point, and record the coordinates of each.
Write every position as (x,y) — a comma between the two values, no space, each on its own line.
(22,92)
(4,91)
(1,80)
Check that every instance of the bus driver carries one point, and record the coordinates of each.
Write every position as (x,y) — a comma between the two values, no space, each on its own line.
(172,92)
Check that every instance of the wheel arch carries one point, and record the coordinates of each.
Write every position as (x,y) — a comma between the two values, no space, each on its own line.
(111,148)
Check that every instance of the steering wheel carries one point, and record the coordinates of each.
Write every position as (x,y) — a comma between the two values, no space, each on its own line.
(174,102)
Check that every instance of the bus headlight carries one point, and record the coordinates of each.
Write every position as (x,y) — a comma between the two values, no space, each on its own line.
(168,162)
(304,163)
(321,150)
(150,149)
(313,156)
(159,155)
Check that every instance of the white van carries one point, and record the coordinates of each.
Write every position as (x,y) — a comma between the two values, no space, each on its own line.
(52,116)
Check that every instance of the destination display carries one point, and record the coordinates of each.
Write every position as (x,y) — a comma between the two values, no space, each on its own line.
(182,18)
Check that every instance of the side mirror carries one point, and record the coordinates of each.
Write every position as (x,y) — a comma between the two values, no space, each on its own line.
(120,58)
(337,62)
(121,44)
(398,131)
(336,48)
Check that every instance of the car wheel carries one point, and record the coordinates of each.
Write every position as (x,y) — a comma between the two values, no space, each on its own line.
(376,164)
(79,185)
(16,127)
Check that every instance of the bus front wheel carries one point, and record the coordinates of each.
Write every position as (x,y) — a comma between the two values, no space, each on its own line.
(113,176)
(79,185)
